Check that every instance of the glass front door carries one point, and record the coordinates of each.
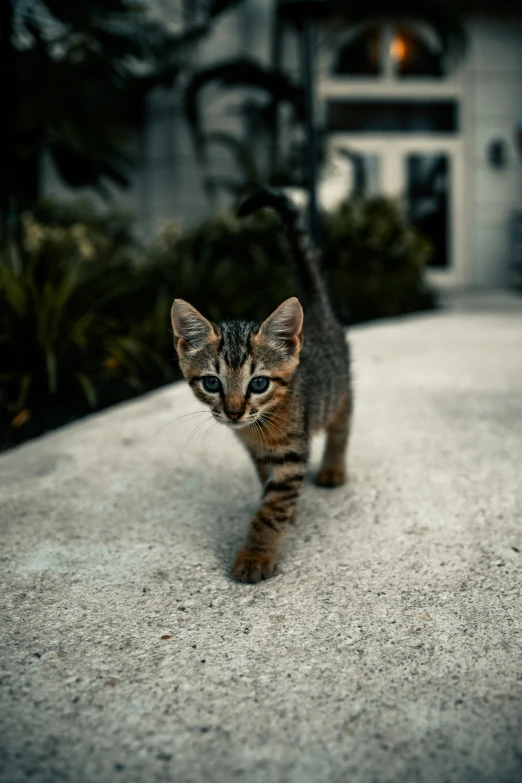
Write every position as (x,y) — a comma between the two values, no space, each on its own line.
(427,194)
(425,174)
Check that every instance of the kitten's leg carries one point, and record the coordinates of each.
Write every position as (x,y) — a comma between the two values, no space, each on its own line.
(333,469)
(262,468)
(264,472)
(257,559)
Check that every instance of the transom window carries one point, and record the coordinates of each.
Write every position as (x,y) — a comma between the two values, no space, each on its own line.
(398,52)
(361,55)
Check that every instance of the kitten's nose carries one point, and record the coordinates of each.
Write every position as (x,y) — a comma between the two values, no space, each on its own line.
(234,415)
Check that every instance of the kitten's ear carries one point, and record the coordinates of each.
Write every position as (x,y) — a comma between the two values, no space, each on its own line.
(191,329)
(285,325)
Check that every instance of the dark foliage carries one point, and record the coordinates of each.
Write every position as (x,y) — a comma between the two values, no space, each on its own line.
(441,16)
(84,309)
(375,261)
(75,76)
(241,72)
(72,335)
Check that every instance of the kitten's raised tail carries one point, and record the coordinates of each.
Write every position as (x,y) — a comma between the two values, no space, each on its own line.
(305,257)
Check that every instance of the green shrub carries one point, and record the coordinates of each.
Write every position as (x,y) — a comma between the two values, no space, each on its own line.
(72,336)
(227,268)
(375,261)
(84,308)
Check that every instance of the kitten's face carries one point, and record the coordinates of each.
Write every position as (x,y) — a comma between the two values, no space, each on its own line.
(239,369)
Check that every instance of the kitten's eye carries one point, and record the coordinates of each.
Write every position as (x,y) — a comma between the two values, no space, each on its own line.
(211,383)
(259,385)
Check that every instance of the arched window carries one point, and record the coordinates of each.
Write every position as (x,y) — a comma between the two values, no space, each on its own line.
(413,55)
(394,52)
(361,55)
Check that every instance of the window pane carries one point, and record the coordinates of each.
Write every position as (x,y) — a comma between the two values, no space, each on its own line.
(364,173)
(428,201)
(413,56)
(349,173)
(390,116)
(361,55)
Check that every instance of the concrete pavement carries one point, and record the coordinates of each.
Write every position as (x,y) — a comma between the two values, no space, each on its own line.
(387,649)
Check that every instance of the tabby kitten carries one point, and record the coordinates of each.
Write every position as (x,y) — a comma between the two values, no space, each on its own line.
(274,385)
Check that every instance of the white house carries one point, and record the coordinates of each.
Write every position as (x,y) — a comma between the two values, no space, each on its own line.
(444,142)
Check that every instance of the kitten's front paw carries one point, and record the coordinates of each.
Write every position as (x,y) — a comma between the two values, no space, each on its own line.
(252,567)
(330,477)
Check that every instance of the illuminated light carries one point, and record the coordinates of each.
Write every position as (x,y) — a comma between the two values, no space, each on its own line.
(111,362)
(398,49)
(21,418)
(518,134)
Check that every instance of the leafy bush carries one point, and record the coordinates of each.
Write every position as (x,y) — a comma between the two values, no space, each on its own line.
(71,335)
(227,268)
(84,309)
(375,261)
(515,266)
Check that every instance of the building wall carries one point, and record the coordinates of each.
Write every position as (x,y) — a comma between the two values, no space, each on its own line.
(494,103)
(168,186)
(173,177)
(168,183)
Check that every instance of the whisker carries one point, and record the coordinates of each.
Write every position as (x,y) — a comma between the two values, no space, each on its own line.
(274,415)
(206,437)
(212,431)
(278,436)
(272,412)
(273,428)
(196,428)
(177,418)
(266,452)
(258,432)
(264,445)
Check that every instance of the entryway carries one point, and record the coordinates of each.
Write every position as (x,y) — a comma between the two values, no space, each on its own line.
(426,173)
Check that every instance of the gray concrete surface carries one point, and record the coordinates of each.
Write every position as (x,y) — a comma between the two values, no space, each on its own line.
(388,647)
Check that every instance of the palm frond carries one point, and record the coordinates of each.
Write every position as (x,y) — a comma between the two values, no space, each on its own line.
(240,72)
(241,153)
(441,16)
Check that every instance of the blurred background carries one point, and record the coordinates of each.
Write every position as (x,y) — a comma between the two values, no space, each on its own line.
(131,130)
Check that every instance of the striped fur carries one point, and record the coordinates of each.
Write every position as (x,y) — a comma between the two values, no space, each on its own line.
(307,364)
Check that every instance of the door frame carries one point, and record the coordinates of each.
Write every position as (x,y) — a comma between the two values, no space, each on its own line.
(392,151)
